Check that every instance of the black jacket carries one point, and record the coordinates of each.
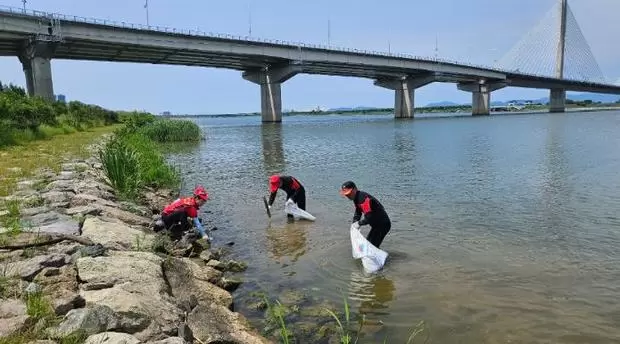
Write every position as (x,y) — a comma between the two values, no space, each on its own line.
(374,213)
(290,185)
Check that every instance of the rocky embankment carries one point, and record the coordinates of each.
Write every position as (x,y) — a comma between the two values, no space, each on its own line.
(93,259)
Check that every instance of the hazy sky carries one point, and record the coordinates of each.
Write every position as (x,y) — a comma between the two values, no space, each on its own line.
(477,31)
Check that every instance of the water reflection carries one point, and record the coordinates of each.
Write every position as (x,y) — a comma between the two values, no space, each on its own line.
(374,291)
(287,241)
(273,151)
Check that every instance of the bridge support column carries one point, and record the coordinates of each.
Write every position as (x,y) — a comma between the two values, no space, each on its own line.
(36,61)
(270,80)
(557,100)
(404,92)
(481,96)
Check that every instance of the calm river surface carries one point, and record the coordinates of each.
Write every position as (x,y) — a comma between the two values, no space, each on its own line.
(505,229)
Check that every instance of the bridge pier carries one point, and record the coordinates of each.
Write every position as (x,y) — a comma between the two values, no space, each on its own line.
(270,80)
(481,95)
(557,100)
(404,92)
(36,62)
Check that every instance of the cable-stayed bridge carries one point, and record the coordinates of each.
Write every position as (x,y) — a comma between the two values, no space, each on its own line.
(554,55)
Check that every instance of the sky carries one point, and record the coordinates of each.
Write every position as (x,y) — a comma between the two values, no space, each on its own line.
(474,31)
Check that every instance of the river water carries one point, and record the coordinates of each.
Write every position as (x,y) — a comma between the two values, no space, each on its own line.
(505,229)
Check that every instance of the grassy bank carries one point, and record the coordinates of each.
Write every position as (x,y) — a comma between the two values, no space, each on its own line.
(25,119)
(133,158)
(22,161)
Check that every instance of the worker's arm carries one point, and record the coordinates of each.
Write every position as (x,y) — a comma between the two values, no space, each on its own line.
(272,197)
(200,228)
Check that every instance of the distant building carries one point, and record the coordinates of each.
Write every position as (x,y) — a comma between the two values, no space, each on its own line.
(166,113)
(61,98)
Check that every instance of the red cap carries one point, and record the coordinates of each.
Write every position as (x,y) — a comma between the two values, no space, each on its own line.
(201,193)
(274,183)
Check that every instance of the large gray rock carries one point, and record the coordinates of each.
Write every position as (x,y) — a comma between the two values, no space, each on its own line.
(114,234)
(170,340)
(132,284)
(111,338)
(74,166)
(13,317)
(28,269)
(55,197)
(96,189)
(61,185)
(187,280)
(51,222)
(212,323)
(82,199)
(96,319)
(61,286)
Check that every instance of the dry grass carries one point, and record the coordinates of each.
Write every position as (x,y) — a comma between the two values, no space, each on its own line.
(29,157)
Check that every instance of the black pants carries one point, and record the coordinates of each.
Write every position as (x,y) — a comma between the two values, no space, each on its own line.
(300,199)
(378,232)
(176,223)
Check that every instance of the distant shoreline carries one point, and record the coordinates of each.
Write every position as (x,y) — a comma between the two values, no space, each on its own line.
(459,109)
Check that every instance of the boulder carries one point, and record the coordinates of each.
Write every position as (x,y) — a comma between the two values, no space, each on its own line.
(28,269)
(132,285)
(51,222)
(96,189)
(13,317)
(61,285)
(55,197)
(212,323)
(111,338)
(83,199)
(187,283)
(170,340)
(114,234)
(61,186)
(95,319)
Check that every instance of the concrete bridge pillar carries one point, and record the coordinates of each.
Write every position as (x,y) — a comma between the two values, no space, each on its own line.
(36,61)
(404,92)
(557,100)
(270,80)
(481,95)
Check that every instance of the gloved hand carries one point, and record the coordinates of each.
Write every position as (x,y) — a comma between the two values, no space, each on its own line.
(356,225)
(206,238)
(289,201)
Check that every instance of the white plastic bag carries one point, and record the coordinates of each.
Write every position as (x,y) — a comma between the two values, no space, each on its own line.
(291,208)
(372,258)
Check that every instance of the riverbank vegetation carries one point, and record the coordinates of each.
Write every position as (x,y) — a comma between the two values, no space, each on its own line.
(24,119)
(36,133)
(132,159)
(343,325)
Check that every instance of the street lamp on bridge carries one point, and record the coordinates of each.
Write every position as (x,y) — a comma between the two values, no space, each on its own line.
(146,7)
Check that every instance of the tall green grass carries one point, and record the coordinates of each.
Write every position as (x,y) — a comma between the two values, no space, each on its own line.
(134,158)
(121,165)
(133,161)
(169,130)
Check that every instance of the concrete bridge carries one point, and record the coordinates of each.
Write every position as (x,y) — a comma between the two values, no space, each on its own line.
(38,37)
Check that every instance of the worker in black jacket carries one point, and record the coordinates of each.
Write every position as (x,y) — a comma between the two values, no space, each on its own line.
(293,188)
(373,211)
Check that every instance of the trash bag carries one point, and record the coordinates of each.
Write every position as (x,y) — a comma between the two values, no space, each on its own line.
(372,257)
(291,208)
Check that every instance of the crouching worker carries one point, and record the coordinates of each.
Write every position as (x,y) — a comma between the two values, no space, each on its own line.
(174,217)
(293,188)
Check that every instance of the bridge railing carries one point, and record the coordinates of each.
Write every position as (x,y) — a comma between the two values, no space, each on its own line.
(300,45)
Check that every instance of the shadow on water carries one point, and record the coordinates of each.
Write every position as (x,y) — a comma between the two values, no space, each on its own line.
(273,149)
(287,240)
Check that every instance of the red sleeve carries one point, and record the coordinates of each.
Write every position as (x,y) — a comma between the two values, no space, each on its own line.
(191,211)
